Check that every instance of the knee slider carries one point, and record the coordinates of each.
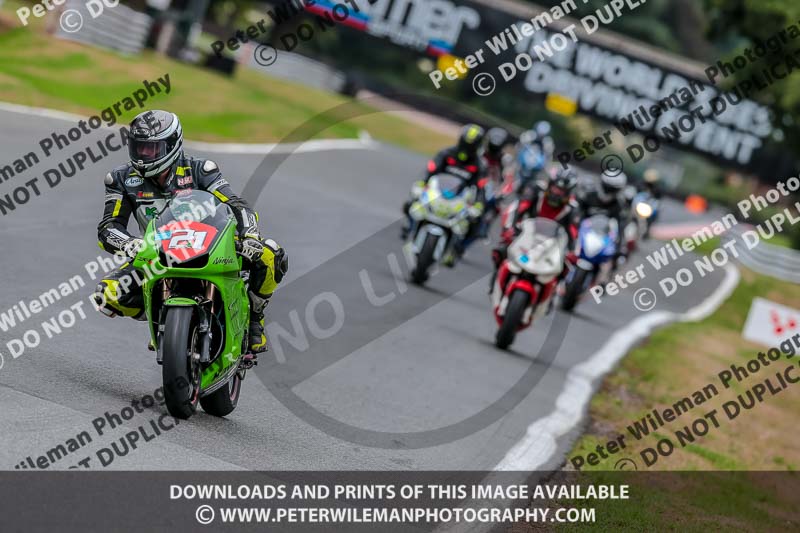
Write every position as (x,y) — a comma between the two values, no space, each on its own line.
(281,265)
(275,259)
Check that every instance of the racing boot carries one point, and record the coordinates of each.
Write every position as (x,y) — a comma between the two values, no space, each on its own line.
(498,256)
(258,340)
(455,254)
(450,258)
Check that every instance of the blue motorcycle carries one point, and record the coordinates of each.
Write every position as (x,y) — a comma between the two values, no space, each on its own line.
(531,163)
(597,237)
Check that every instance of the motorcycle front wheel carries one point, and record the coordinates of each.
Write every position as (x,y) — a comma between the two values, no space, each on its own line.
(424,260)
(512,319)
(574,289)
(180,373)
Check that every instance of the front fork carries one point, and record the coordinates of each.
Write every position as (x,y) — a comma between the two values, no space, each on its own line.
(203,309)
(443,244)
(508,282)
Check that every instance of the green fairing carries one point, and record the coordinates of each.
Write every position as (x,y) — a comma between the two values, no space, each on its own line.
(223,270)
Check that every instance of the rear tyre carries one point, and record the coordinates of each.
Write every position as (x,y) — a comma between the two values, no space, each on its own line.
(511,322)
(223,401)
(573,290)
(180,374)
(424,260)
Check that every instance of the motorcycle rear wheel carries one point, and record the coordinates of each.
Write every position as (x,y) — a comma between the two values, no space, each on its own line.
(223,401)
(517,304)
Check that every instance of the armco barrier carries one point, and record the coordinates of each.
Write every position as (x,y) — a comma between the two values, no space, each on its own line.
(765,258)
(119,28)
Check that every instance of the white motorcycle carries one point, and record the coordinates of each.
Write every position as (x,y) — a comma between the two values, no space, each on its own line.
(526,281)
(441,215)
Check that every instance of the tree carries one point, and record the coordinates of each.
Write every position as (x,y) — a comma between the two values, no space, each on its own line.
(673,25)
(743,24)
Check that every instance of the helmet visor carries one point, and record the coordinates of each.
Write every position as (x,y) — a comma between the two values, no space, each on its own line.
(610,188)
(147,151)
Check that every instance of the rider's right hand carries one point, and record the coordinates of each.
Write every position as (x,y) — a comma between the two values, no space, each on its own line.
(417,189)
(133,247)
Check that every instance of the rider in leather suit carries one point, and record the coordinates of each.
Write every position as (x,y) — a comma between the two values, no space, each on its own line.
(464,160)
(608,199)
(157,171)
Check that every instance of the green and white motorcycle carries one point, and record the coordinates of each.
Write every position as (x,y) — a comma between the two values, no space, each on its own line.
(441,213)
(196,302)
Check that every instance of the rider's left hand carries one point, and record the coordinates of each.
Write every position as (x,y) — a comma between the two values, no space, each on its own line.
(475,210)
(252,248)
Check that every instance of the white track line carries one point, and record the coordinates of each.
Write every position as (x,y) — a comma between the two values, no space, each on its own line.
(40,112)
(540,443)
(364,141)
(322,145)
(676,231)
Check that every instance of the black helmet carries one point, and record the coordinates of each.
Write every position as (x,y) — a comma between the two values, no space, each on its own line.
(496,140)
(470,141)
(560,187)
(155,142)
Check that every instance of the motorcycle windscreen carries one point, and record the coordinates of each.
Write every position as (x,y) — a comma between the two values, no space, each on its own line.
(541,246)
(448,185)
(598,237)
(602,224)
(531,160)
(190,225)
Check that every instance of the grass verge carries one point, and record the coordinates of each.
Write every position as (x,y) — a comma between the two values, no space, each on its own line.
(714,479)
(683,358)
(37,69)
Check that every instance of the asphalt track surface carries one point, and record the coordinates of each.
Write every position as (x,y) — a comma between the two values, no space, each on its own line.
(374,396)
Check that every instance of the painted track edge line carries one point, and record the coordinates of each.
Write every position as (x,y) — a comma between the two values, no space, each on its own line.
(540,443)
(321,145)
(364,142)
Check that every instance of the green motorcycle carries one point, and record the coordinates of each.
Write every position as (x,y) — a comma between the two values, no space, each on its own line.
(196,302)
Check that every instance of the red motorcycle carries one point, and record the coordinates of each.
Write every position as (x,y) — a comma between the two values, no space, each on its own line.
(498,186)
(527,279)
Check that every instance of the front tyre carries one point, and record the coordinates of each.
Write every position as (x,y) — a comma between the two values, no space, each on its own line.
(512,320)
(574,290)
(223,401)
(181,375)
(424,260)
